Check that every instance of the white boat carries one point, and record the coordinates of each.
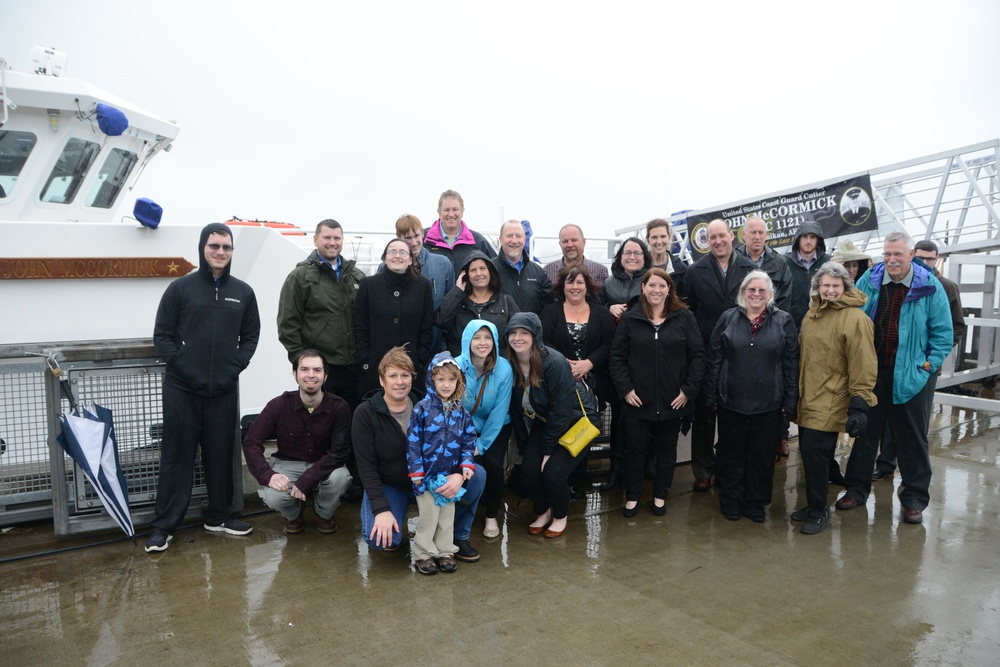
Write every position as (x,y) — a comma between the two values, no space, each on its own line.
(76,265)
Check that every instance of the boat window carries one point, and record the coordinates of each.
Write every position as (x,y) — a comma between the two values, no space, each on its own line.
(111,179)
(14,150)
(72,166)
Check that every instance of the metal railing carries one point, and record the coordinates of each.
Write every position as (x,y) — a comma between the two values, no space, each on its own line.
(37,479)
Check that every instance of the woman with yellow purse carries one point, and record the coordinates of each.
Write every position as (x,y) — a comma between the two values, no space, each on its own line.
(550,418)
(657,364)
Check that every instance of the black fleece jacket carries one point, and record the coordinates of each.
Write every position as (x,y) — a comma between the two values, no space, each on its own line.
(206,330)
(379,449)
(658,363)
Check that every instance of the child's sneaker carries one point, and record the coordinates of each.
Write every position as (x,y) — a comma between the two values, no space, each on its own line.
(447,563)
(426,566)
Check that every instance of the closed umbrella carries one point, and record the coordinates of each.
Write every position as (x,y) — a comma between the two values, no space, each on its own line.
(88,436)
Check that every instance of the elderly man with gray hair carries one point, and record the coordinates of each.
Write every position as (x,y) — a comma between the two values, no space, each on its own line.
(913,334)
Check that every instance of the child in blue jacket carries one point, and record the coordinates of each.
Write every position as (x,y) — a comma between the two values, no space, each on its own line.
(441,441)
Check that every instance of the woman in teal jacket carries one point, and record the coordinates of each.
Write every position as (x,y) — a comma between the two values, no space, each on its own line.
(488,383)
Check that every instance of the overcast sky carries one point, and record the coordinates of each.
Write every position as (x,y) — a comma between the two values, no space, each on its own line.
(554,112)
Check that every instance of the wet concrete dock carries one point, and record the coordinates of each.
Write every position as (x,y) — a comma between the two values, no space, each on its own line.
(687,588)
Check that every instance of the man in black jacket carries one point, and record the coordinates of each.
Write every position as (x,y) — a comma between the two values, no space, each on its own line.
(767,260)
(206,331)
(712,284)
(522,279)
(807,255)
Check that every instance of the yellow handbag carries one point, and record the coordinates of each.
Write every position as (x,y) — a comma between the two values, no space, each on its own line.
(579,434)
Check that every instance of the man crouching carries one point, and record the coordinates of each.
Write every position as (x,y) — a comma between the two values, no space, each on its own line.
(313,432)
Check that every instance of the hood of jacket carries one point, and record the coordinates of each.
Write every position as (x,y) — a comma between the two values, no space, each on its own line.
(440,359)
(479,254)
(527,321)
(346,265)
(470,330)
(422,256)
(435,236)
(618,272)
(810,227)
(853,298)
(919,286)
(768,251)
(208,230)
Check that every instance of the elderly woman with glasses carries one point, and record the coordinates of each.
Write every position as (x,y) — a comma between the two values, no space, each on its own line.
(752,380)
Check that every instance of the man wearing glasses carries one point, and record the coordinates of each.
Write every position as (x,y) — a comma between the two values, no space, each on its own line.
(926,252)
(913,335)
(206,331)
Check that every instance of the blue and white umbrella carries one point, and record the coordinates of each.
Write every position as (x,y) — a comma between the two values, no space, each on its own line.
(88,436)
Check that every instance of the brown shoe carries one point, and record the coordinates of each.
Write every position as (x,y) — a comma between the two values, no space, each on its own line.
(702,484)
(912,515)
(296,525)
(326,526)
(847,502)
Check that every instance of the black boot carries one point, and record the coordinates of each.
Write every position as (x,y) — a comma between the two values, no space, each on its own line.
(614,480)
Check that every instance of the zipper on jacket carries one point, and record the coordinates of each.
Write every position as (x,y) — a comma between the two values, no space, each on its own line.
(215,331)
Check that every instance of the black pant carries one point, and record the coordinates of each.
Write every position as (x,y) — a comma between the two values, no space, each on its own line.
(702,442)
(744,467)
(343,381)
(886,461)
(548,488)
(190,420)
(817,449)
(908,423)
(639,435)
(492,462)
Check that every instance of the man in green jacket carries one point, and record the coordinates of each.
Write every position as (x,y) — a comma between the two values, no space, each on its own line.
(316,310)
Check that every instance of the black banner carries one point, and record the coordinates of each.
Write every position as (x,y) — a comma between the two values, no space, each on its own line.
(840,208)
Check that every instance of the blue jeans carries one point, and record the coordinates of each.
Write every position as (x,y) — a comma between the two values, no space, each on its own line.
(400,500)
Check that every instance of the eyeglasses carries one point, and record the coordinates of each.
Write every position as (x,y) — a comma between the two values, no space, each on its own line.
(215,247)
(632,253)
(756,290)
(396,251)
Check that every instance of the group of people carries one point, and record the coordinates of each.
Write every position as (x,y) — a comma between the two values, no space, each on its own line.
(414,380)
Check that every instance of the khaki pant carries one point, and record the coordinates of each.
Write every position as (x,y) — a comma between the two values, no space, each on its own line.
(435,528)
